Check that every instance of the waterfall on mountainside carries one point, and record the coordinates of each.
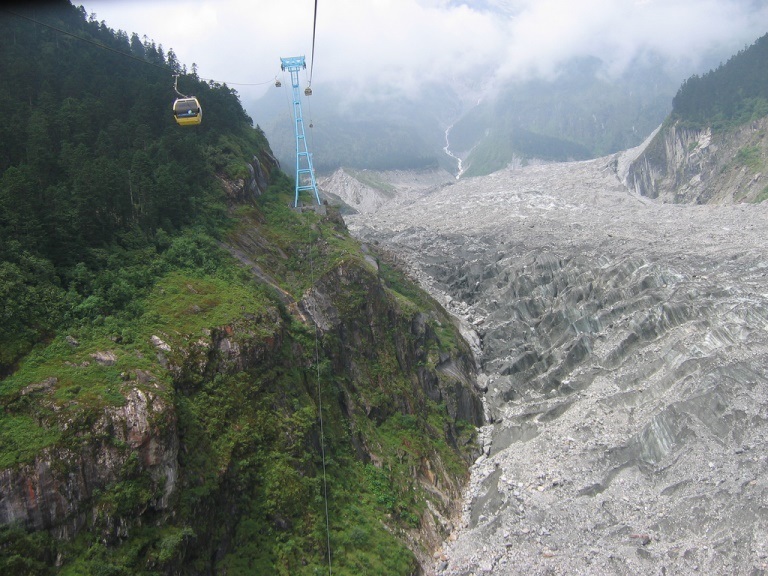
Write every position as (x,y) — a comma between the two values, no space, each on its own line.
(447,149)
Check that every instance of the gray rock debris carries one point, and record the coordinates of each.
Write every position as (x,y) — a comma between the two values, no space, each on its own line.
(624,346)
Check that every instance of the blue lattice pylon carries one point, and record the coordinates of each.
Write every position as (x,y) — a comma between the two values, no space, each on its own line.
(305,173)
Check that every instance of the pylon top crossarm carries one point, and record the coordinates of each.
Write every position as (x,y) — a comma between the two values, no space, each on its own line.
(293,63)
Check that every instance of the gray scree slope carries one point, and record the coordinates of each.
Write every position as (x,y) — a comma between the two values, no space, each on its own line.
(624,347)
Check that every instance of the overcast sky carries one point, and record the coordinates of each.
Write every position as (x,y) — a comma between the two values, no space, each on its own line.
(402,42)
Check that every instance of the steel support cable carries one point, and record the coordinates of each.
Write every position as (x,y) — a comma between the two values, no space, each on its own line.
(89,41)
(311,121)
(312,59)
(131,56)
(320,412)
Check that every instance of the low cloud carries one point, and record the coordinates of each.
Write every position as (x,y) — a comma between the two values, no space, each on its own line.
(401,44)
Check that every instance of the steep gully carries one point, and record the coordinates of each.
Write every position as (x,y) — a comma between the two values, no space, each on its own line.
(623,344)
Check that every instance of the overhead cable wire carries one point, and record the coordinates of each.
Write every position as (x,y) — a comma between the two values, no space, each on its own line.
(126,54)
(312,59)
(270,81)
(90,41)
(320,412)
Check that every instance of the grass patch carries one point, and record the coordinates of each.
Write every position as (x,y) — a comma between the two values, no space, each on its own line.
(187,303)
(750,157)
(396,281)
(22,439)
(295,247)
(86,370)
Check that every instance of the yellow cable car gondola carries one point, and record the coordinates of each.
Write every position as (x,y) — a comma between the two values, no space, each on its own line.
(187,111)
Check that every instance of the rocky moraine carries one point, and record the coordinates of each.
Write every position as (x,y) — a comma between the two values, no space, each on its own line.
(623,347)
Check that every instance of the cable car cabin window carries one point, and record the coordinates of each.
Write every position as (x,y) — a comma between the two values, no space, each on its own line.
(187,111)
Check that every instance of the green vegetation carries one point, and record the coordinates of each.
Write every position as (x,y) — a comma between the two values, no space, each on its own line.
(749,157)
(763,196)
(117,285)
(250,466)
(498,149)
(734,93)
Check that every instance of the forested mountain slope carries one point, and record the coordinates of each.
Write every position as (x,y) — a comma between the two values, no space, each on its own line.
(712,147)
(193,373)
(92,163)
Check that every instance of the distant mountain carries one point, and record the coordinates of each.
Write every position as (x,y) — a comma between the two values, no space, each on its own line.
(582,113)
(579,115)
(379,130)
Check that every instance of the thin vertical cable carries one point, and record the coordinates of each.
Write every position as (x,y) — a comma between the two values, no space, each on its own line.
(311,121)
(320,411)
(312,59)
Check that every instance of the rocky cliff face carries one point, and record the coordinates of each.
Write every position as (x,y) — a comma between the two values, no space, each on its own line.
(56,491)
(690,165)
(260,168)
(388,359)
(379,324)
(198,429)
(62,489)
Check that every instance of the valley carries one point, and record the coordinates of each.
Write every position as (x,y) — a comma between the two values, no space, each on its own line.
(622,346)
(201,377)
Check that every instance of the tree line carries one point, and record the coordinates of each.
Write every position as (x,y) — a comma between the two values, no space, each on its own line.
(732,94)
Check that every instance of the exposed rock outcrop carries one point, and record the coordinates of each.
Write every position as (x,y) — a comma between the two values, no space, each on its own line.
(243,190)
(55,492)
(249,342)
(699,165)
(378,324)
(58,490)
